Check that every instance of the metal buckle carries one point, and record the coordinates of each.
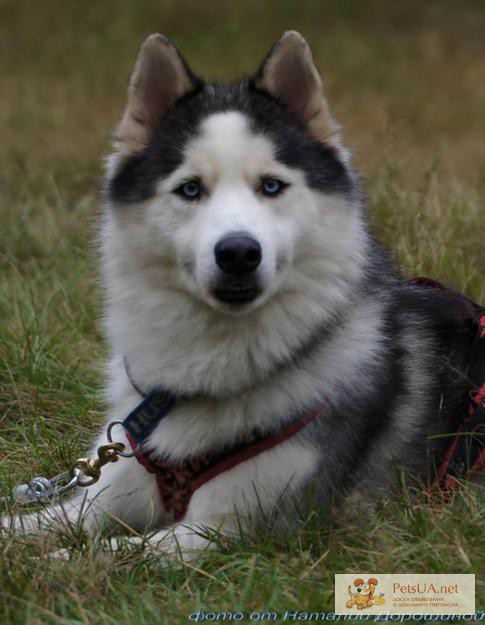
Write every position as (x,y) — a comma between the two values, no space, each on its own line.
(123,454)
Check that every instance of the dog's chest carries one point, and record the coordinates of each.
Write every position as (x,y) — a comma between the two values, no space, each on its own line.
(257,484)
(194,432)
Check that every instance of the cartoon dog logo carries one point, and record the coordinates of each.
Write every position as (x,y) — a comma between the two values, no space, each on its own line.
(363,595)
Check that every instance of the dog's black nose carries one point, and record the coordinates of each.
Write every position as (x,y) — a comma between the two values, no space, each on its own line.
(238,253)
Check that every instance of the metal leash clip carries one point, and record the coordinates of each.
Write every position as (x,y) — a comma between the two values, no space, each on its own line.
(41,488)
(91,467)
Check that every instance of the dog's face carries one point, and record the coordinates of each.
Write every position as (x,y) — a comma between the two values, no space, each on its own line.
(220,191)
(363,588)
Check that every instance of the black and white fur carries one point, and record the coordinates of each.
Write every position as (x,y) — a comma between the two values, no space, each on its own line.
(325,318)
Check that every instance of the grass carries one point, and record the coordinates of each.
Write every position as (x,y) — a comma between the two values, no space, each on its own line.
(406,81)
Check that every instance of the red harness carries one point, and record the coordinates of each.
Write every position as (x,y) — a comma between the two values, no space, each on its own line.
(465,456)
(473,424)
(177,482)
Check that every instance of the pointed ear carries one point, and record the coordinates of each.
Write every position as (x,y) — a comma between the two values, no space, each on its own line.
(159,79)
(289,74)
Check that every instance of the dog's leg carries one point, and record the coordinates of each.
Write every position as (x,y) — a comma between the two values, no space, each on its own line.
(52,517)
(183,541)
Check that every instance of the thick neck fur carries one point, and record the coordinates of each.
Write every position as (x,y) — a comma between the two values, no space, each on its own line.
(174,341)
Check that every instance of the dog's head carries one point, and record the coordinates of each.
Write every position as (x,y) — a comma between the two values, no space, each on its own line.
(233,194)
(365,588)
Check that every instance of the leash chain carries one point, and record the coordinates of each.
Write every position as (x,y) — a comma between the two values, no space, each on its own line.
(84,472)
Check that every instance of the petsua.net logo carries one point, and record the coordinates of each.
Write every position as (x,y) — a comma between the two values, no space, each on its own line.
(406,593)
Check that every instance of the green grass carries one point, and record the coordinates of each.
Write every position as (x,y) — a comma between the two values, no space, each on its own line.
(406,81)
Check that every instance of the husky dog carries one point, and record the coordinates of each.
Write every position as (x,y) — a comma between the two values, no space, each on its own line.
(242,278)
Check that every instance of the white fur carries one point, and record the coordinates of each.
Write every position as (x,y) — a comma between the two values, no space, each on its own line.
(157,266)
(147,248)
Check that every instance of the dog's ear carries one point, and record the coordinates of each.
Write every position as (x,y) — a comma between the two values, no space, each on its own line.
(358,581)
(289,74)
(373,581)
(159,79)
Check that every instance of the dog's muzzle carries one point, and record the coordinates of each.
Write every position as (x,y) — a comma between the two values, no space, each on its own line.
(238,256)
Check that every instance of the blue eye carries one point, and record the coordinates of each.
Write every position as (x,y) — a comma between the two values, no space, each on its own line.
(190,190)
(272,187)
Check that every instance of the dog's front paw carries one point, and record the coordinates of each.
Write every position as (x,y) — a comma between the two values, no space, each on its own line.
(104,547)
(62,554)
